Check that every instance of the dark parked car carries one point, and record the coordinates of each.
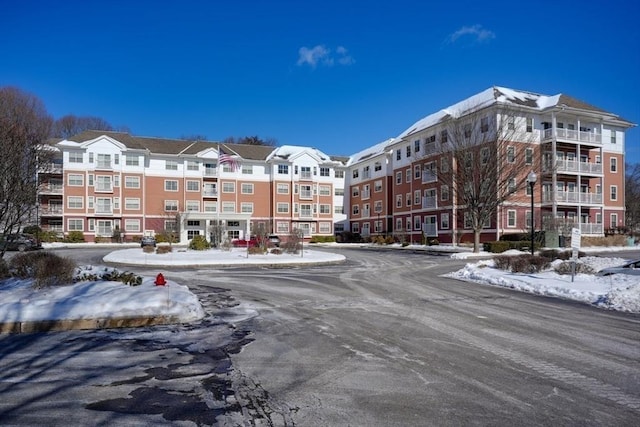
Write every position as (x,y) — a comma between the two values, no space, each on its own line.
(148,241)
(19,242)
(273,240)
(631,267)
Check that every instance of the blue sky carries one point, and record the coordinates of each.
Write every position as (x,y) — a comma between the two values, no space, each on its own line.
(336,75)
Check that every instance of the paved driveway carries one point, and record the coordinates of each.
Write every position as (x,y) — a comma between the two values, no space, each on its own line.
(381,340)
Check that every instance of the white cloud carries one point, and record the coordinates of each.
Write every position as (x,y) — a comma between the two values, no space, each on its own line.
(475,32)
(321,55)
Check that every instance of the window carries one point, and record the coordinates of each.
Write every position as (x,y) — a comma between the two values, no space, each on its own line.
(468,160)
(325,171)
(132,225)
(171,205)
(103,205)
(399,224)
(444,136)
(511,185)
(75,157)
(228,207)
(444,164)
(247,188)
(408,224)
(528,156)
(467,130)
(527,219)
(247,169)
(398,154)
(282,227)
(170,185)
(377,206)
(407,199)
(377,166)
(614,192)
(484,155)
(192,206)
(283,169)
(246,207)
(131,160)
(511,218)
(511,154)
(193,185)
(484,124)
(444,221)
(377,186)
(614,164)
(325,209)
(76,180)
(467,220)
(355,192)
(366,172)
(75,202)
(407,177)
(416,145)
(398,178)
(355,227)
(511,123)
(103,183)
(338,209)
(75,225)
(171,165)
(529,124)
(228,187)
(444,193)
(338,192)
(132,182)
(613,136)
(399,201)
(283,208)
(408,151)
(132,204)
(305,172)
(282,188)
(417,172)
(355,173)
(416,223)
(210,207)
(103,228)
(305,192)
(325,227)
(193,165)
(416,197)
(613,220)
(366,191)
(355,209)
(324,190)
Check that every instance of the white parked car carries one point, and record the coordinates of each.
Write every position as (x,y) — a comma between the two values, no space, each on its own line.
(632,267)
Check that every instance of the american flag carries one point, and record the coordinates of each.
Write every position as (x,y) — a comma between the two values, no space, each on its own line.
(228,159)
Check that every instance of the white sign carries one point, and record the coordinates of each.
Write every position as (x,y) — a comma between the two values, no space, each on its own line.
(575,238)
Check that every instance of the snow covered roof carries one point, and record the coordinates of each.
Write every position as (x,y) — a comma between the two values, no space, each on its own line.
(501,95)
(289,152)
(375,150)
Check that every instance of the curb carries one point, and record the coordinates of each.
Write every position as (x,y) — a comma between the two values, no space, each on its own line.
(82,324)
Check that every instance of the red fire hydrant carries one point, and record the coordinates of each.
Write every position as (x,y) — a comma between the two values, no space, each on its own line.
(160,280)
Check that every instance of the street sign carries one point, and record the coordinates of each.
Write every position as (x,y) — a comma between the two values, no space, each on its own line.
(575,238)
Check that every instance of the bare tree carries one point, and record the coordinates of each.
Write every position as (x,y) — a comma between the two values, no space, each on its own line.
(483,163)
(632,196)
(24,129)
(251,140)
(70,125)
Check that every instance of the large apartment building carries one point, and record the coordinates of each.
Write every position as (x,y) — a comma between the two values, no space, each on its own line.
(106,181)
(575,149)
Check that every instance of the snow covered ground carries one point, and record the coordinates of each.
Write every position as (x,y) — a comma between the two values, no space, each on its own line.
(20,302)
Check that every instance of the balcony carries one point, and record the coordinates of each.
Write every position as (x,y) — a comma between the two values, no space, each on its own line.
(429,176)
(429,202)
(306,194)
(573,135)
(306,175)
(573,166)
(210,193)
(50,188)
(210,171)
(53,168)
(50,210)
(305,214)
(573,197)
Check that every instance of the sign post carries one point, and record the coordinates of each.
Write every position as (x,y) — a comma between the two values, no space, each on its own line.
(575,249)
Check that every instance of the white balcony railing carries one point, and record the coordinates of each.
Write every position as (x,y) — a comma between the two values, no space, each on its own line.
(573,135)
(49,188)
(569,166)
(573,197)
(429,202)
(50,210)
(210,193)
(306,194)
(210,171)
(305,175)
(429,176)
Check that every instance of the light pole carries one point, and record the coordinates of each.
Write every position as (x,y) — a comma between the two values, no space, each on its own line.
(531,179)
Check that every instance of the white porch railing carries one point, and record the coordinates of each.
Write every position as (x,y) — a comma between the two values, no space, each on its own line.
(573,135)
(573,197)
